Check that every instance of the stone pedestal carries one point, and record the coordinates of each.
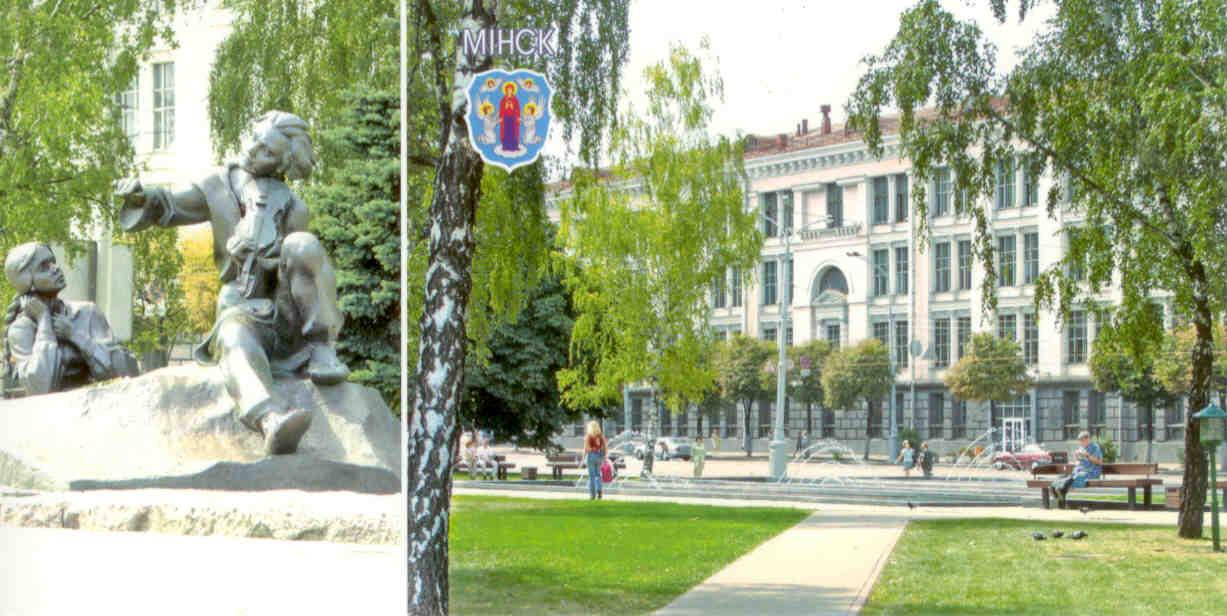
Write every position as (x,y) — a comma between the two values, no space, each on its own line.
(175,428)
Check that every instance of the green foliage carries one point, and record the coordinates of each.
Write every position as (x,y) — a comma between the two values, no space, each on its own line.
(911,436)
(1174,362)
(514,392)
(357,216)
(651,239)
(301,57)
(807,360)
(1110,450)
(992,369)
(159,307)
(199,278)
(1123,104)
(1126,364)
(741,365)
(61,144)
(855,374)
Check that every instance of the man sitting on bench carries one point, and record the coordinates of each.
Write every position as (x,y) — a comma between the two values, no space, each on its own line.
(1090,466)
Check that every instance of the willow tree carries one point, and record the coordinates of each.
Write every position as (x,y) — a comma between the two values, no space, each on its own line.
(301,57)
(651,236)
(62,144)
(1123,103)
(446,182)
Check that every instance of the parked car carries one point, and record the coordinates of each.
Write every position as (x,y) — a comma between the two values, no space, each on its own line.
(670,447)
(1027,458)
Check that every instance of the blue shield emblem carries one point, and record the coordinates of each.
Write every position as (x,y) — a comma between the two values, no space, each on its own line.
(509,116)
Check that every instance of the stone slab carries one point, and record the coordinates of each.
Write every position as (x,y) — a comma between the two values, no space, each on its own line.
(346,517)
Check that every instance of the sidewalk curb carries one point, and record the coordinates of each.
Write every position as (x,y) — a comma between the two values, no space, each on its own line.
(863,596)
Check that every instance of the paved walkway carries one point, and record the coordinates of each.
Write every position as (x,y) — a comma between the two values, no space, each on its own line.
(49,571)
(827,564)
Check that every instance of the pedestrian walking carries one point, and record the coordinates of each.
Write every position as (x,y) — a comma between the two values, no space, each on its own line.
(907,458)
(698,454)
(594,453)
(926,460)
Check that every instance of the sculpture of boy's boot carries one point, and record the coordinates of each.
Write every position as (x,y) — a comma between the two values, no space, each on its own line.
(324,367)
(283,430)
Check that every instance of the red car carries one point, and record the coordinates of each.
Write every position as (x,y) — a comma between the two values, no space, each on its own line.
(1026,459)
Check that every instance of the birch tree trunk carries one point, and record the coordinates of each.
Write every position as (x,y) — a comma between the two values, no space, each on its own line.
(1193,503)
(441,350)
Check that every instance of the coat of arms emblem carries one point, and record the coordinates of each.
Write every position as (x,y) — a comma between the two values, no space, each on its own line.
(509,116)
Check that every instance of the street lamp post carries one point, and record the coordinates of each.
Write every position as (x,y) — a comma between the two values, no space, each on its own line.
(892,443)
(778,447)
(1212,424)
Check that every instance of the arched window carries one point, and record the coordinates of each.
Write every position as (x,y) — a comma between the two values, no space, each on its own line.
(833,280)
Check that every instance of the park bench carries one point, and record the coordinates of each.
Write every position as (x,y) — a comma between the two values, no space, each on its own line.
(570,461)
(1110,478)
(500,471)
(1175,493)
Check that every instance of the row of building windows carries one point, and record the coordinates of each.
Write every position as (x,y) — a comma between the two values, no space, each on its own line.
(128,107)
(1065,423)
(777,207)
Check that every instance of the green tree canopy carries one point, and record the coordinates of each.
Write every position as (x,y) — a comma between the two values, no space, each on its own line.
(1126,364)
(514,391)
(856,374)
(992,370)
(356,215)
(301,57)
(1122,103)
(805,384)
(61,143)
(1174,361)
(742,366)
(651,239)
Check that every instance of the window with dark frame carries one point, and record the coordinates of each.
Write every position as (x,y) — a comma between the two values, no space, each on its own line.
(941,342)
(1007,327)
(735,287)
(1006,256)
(1075,337)
(1031,257)
(964,265)
(1031,339)
(941,267)
(833,334)
(1004,179)
(963,335)
(881,272)
(770,215)
(835,205)
(769,283)
(901,343)
(901,270)
(881,201)
(881,331)
(937,414)
(1070,401)
(941,192)
(958,418)
(901,204)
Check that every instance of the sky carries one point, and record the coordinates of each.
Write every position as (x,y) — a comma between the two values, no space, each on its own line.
(781,59)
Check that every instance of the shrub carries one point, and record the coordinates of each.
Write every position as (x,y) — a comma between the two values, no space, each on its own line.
(1110,451)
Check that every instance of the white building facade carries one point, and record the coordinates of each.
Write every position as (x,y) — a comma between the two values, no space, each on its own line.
(858,271)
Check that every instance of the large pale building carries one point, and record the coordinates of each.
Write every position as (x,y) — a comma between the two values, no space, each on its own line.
(857,271)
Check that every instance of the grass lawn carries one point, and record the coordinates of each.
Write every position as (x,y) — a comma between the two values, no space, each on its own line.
(994,567)
(526,556)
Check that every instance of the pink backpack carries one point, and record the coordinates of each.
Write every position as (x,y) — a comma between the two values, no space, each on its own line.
(607,472)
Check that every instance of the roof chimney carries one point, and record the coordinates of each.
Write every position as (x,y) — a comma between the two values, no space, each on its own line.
(783,141)
(826,119)
(804,126)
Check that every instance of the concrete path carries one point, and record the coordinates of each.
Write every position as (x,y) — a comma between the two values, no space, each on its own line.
(827,564)
(49,571)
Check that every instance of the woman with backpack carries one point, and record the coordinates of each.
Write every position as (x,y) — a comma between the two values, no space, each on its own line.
(594,454)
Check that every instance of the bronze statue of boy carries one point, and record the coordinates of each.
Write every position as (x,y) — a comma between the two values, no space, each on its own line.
(277,309)
(51,344)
